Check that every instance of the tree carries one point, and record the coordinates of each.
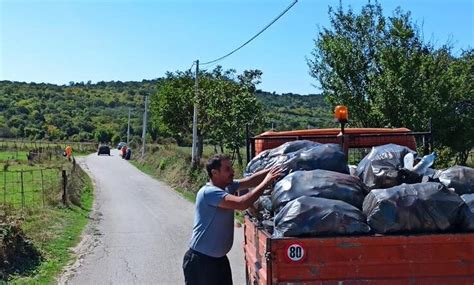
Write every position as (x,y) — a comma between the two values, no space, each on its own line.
(456,118)
(171,108)
(103,136)
(225,103)
(345,61)
(232,105)
(380,68)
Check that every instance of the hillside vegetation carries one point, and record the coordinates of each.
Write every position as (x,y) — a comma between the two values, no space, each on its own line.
(93,112)
(293,111)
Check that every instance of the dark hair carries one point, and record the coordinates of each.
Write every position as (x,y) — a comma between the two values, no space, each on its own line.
(215,163)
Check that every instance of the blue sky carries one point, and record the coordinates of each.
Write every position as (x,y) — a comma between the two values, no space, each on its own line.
(81,40)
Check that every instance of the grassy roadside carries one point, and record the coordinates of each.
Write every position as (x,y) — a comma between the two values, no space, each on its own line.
(172,164)
(148,169)
(53,231)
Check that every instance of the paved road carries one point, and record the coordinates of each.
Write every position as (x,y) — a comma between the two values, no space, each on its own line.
(139,230)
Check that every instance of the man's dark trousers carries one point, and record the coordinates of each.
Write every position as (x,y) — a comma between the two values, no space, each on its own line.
(201,269)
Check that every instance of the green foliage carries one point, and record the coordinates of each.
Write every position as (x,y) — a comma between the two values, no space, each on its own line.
(93,112)
(115,139)
(226,104)
(172,106)
(294,111)
(76,112)
(380,67)
(103,136)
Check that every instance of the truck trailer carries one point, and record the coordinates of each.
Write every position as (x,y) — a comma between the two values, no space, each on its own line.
(440,258)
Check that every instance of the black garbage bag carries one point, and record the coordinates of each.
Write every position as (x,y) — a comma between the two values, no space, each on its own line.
(309,216)
(262,208)
(467,213)
(421,207)
(319,183)
(268,225)
(276,156)
(382,167)
(304,155)
(461,178)
(323,156)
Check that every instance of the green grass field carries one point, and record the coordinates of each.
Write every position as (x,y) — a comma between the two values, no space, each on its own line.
(24,185)
(27,188)
(13,155)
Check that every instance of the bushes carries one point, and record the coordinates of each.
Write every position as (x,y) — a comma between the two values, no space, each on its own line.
(18,255)
(173,165)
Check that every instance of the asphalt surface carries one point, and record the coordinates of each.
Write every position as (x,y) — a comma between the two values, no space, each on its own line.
(139,229)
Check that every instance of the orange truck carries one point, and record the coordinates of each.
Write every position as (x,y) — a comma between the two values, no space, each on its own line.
(431,259)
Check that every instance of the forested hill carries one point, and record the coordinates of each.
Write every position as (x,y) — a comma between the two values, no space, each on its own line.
(84,111)
(76,112)
(293,111)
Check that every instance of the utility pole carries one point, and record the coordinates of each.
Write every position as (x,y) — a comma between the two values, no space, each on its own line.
(144,126)
(194,155)
(128,127)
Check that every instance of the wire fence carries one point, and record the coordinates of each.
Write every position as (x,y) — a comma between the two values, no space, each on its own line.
(23,189)
(45,146)
(27,188)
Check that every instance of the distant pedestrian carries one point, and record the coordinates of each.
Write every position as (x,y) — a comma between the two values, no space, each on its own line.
(124,151)
(128,154)
(68,152)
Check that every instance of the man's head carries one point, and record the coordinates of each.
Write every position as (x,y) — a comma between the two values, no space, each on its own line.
(220,171)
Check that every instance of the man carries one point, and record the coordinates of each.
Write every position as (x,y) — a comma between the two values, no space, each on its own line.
(124,151)
(206,262)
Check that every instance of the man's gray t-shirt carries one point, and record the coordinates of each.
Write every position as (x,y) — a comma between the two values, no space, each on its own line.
(213,230)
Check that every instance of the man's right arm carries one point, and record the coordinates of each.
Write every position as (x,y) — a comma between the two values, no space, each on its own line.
(245,201)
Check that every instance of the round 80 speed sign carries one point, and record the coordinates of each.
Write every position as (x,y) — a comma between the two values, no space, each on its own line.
(295,252)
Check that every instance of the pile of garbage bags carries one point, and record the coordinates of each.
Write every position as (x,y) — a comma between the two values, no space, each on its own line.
(386,193)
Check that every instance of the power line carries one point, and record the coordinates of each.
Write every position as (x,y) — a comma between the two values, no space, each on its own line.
(252,38)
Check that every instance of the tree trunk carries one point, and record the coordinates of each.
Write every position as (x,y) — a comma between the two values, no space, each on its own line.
(462,157)
(215,149)
(222,149)
(239,156)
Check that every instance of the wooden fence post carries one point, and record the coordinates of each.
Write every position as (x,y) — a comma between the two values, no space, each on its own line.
(64,187)
(42,186)
(22,191)
(4,187)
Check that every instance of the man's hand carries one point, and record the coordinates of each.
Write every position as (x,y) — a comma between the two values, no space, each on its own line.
(257,178)
(274,173)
